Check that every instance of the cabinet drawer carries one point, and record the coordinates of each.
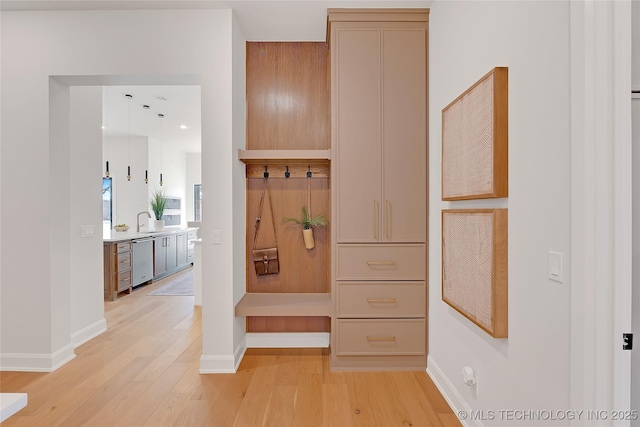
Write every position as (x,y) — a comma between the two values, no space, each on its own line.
(381,299)
(123,247)
(381,262)
(393,337)
(124,261)
(124,280)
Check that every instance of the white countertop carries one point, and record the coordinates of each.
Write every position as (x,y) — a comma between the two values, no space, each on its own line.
(119,236)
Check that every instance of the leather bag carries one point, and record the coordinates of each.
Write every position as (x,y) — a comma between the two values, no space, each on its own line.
(265,260)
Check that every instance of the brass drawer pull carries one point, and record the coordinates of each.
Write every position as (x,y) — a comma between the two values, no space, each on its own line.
(381,338)
(381,263)
(381,300)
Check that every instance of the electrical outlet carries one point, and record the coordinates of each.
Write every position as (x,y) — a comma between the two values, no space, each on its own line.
(216,237)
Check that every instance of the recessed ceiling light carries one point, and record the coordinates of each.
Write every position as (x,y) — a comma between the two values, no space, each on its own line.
(183,126)
(103,127)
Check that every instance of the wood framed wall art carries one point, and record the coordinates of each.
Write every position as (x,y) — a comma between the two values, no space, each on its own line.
(475,140)
(474,266)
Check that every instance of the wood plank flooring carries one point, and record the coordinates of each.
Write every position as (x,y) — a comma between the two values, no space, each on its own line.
(143,371)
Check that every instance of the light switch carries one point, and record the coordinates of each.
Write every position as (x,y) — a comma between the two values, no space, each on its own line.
(556,266)
(216,237)
(86,230)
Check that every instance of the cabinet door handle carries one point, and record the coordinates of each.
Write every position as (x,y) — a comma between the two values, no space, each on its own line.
(381,338)
(375,219)
(381,300)
(372,263)
(388,220)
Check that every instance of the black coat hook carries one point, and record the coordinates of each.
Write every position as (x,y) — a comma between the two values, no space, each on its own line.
(266,172)
(287,174)
(309,172)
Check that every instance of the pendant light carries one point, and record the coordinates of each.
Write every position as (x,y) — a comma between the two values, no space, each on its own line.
(129,97)
(106,172)
(161,116)
(146,107)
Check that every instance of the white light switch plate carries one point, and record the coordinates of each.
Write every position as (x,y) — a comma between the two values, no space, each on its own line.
(556,266)
(86,230)
(216,237)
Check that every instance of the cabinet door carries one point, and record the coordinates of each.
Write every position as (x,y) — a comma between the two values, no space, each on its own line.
(159,256)
(181,248)
(172,253)
(356,114)
(404,134)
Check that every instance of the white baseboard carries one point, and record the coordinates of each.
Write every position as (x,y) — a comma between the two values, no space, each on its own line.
(449,393)
(287,339)
(10,403)
(217,365)
(36,362)
(88,333)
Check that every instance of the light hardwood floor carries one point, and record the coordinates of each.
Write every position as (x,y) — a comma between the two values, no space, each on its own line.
(143,371)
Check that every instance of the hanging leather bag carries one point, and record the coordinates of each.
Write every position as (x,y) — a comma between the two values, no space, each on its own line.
(265,260)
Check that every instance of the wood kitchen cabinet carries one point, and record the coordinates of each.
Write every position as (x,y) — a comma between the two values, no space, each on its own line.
(379,187)
(117,269)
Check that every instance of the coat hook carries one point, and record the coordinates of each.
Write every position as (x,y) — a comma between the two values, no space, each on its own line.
(287,174)
(266,172)
(309,172)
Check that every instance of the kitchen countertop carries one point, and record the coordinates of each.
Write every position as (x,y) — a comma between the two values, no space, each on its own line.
(120,236)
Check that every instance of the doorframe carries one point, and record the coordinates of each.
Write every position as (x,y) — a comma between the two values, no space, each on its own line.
(600,205)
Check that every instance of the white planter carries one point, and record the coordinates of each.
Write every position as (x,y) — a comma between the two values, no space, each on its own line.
(158,224)
(309,242)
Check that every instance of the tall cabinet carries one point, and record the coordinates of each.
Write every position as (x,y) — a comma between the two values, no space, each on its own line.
(379,190)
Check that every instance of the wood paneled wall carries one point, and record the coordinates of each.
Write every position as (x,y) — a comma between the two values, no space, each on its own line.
(288,109)
(287,96)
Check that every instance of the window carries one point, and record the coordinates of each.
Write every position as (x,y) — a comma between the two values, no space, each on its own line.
(197,202)
(107,215)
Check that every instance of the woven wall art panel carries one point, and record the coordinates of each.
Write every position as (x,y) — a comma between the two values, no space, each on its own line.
(474,266)
(475,140)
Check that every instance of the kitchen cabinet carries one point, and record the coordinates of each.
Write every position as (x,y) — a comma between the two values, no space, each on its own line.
(181,249)
(117,269)
(165,255)
(172,252)
(379,187)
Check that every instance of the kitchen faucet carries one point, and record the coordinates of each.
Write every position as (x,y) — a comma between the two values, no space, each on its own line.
(138,219)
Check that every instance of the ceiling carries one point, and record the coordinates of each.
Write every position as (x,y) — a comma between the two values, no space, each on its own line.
(260,20)
(180,106)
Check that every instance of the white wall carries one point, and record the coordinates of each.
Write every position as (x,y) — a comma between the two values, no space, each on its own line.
(87,305)
(101,48)
(530,369)
(174,173)
(129,197)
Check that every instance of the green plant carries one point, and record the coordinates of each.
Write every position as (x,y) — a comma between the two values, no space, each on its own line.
(306,222)
(158,203)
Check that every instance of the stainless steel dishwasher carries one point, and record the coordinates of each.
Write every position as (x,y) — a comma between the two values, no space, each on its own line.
(142,261)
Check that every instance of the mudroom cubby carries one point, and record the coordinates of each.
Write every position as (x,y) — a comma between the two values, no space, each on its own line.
(288,137)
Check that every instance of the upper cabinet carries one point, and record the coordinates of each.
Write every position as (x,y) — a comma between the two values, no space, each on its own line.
(379,131)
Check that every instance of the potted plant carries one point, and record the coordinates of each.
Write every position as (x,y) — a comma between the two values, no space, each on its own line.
(158,203)
(307,223)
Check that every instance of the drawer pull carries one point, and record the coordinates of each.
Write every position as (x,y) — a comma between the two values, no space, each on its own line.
(381,263)
(381,338)
(381,300)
